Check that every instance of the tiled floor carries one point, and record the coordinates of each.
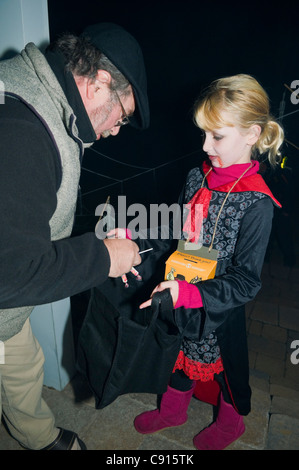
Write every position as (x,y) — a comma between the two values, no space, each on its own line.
(273,424)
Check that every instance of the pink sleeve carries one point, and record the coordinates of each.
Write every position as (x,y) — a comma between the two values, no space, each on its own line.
(189,296)
(128,234)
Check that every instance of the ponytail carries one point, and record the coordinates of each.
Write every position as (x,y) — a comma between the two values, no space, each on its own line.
(270,141)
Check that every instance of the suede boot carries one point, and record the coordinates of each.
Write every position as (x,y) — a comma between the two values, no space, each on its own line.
(227,428)
(172,412)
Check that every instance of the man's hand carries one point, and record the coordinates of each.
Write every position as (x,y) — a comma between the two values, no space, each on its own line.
(123,255)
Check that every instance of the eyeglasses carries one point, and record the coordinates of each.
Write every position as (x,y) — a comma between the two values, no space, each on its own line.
(124,118)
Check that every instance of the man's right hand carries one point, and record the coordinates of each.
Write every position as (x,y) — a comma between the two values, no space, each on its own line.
(123,255)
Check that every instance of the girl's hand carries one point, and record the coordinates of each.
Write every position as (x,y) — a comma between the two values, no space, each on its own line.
(117,233)
(174,291)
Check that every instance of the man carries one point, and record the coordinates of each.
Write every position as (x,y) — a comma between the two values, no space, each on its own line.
(55,105)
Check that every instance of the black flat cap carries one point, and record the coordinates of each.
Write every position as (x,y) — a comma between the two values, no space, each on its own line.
(125,53)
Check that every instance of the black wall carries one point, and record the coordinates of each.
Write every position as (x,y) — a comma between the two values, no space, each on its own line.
(186,45)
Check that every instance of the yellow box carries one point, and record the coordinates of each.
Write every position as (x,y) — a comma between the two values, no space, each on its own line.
(191,265)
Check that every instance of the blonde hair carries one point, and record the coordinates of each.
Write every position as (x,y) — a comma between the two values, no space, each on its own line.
(247,104)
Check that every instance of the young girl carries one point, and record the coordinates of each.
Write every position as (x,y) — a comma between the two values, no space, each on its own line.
(237,217)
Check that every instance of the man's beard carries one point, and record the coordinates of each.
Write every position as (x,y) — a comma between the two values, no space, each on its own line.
(105,134)
(101,114)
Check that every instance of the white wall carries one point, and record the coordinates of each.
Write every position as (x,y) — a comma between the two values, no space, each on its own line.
(22,21)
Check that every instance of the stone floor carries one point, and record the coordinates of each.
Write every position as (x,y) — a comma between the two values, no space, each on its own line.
(273,424)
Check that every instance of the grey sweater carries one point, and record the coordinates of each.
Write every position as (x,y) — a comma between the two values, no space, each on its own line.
(29,79)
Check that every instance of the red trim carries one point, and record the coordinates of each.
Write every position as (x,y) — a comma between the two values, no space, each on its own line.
(197,370)
(248,183)
(230,392)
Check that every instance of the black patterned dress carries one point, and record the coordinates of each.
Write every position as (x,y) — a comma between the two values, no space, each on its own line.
(237,279)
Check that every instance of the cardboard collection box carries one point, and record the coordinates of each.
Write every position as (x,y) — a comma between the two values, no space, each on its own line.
(191,265)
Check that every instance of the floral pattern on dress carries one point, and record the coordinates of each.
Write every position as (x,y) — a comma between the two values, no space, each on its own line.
(230,217)
(207,350)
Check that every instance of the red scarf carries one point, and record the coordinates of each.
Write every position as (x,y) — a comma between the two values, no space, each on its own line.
(199,204)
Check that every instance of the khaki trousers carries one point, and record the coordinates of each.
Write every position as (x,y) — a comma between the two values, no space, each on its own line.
(27,416)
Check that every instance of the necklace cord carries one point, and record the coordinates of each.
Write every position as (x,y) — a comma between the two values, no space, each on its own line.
(225,199)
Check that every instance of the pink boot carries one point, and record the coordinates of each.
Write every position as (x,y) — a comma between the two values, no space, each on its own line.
(227,428)
(172,412)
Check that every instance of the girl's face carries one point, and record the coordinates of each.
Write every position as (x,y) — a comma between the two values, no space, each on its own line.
(227,146)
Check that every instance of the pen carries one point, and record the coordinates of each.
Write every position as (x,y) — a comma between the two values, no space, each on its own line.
(144,251)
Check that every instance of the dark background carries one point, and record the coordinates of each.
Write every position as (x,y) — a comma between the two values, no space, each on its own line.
(186,45)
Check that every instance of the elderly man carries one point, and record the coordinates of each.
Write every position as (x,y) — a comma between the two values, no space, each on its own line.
(55,105)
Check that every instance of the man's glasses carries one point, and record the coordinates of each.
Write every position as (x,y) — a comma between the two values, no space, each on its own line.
(124,118)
